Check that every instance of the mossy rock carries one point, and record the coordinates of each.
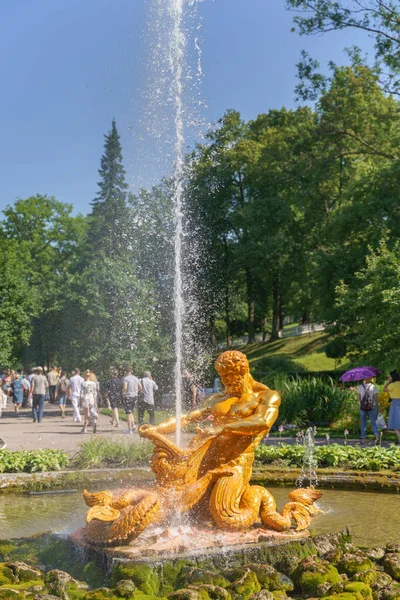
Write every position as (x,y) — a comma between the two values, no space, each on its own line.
(391,564)
(143,576)
(10,594)
(392,548)
(390,593)
(279,595)
(6,549)
(215,592)
(195,575)
(245,586)
(24,572)
(376,554)
(316,577)
(358,587)
(267,576)
(6,575)
(344,596)
(354,563)
(369,577)
(382,580)
(125,588)
(263,595)
(189,594)
(101,594)
(45,597)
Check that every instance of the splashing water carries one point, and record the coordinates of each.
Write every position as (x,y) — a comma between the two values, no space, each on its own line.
(308,470)
(177,50)
(172,110)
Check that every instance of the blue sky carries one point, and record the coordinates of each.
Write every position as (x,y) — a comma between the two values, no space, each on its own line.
(69,66)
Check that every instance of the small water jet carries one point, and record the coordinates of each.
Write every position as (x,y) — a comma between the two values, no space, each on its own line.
(309,468)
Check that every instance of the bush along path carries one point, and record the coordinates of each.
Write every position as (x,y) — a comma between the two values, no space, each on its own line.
(330,567)
(373,458)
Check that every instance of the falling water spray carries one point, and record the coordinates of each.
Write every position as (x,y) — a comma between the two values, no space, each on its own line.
(177,49)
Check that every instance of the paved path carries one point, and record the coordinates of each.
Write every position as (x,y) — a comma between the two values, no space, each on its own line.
(19,431)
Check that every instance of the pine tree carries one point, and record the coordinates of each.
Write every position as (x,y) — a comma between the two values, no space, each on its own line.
(109,213)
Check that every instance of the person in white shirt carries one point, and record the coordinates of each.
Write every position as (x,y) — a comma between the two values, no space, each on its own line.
(74,392)
(131,388)
(146,399)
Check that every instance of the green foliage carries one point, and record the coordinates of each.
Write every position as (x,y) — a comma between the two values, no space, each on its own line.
(310,399)
(369,309)
(380,19)
(333,455)
(336,348)
(32,461)
(107,452)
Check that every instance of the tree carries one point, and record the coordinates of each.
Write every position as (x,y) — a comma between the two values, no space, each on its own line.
(18,304)
(378,18)
(109,215)
(369,310)
(44,237)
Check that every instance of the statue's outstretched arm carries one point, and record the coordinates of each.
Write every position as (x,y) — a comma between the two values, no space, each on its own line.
(262,420)
(170,426)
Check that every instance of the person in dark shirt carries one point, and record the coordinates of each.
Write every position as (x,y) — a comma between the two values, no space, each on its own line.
(113,391)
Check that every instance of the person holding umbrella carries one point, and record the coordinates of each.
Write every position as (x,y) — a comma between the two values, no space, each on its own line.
(392,387)
(367,395)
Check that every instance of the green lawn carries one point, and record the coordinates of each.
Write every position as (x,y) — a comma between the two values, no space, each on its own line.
(292,354)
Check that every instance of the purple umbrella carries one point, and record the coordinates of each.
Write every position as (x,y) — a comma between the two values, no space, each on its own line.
(359,373)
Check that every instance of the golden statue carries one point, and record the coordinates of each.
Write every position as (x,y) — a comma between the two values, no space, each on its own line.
(210,479)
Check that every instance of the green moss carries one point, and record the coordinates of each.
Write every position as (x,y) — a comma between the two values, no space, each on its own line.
(6,548)
(194,575)
(143,576)
(6,575)
(354,563)
(279,594)
(358,587)
(369,577)
(214,592)
(189,594)
(245,586)
(391,564)
(100,594)
(344,596)
(10,594)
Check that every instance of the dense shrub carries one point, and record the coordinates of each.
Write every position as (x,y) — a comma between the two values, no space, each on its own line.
(310,399)
(32,461)
(373,458)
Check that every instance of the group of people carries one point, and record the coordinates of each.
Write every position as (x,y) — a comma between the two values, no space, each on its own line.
(127,393)
(368,398)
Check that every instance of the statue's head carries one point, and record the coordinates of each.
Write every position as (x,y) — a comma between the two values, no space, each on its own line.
(233,367)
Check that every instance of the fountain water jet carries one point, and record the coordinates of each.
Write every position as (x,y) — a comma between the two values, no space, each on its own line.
(177,49)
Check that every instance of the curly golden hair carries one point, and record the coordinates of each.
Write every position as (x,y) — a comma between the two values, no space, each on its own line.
(232,362)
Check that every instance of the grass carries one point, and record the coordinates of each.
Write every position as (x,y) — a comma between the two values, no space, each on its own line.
(98,452)
(296,354)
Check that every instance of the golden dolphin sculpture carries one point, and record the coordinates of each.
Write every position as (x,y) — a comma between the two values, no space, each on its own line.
(211,478)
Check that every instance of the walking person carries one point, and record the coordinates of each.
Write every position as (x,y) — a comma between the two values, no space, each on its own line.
(52,378)
(88,399)
(62,392)
(113,390)
(367,395)
(189,391)
(74,392)
(39,386)
(131,388)
(17,392)
(26,387)
(392,387)
(146,399)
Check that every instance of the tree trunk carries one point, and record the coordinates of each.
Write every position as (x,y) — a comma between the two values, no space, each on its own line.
(276,310)
(281,312)
(250,306)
